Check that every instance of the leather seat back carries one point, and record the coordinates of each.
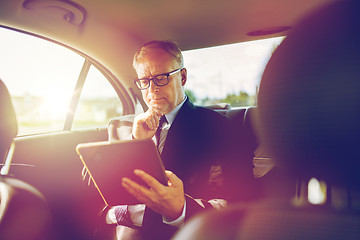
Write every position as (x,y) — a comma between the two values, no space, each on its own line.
(24,213)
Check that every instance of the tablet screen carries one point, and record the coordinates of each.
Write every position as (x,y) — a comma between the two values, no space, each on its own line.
(108,162)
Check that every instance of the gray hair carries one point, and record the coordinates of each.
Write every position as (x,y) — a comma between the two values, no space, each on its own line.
(168,46)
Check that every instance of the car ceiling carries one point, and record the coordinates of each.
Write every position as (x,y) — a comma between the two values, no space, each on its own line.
(110,31)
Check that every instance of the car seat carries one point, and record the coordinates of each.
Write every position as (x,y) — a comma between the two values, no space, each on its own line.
(24,213)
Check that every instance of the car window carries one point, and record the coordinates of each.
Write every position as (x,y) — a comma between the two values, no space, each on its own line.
(227,74)
(41,77)
(98,102)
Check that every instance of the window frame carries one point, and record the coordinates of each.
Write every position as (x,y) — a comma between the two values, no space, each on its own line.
(128,103)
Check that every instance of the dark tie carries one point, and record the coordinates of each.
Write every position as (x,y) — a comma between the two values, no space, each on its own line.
(160,138)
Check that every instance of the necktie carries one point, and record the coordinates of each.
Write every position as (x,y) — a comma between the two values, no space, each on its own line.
(161,134)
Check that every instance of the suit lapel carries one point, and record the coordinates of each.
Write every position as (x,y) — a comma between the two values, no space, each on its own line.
(175,140)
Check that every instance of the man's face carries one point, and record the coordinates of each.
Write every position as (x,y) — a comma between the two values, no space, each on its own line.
(165,98)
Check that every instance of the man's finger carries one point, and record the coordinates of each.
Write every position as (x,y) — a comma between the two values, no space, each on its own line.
(153,119)
(150,123)
(156,115)
(157,111)
(173,179)
(149,180)
(139,192)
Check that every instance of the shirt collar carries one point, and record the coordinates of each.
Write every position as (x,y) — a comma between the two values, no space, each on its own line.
(171,115)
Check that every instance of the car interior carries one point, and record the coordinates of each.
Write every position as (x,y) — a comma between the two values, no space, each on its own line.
(19,200)
(77,87)
(305,137)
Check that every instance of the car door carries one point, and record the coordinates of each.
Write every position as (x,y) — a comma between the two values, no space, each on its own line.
(61,98)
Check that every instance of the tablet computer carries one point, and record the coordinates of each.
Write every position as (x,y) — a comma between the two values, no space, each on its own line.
(108,162)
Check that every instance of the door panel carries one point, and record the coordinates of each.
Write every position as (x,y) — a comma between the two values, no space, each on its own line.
(50,163)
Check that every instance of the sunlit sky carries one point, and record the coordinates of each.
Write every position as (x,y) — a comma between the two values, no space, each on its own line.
(26,57)
(218,71)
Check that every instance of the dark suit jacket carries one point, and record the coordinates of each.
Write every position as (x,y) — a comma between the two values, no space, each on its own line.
(194,145)
(197,145)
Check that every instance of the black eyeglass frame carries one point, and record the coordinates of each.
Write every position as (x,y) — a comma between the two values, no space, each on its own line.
(154,77)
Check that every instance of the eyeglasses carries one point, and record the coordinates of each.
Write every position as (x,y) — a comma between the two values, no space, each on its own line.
(159,80)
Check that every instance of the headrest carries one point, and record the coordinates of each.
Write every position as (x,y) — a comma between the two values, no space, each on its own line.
(8,123)
(309,96)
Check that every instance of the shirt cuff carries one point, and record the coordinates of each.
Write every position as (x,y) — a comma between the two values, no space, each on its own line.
(110,216)
(136,214)
(177,222)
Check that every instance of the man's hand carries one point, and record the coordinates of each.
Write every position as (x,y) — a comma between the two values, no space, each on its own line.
(145,124)
(165,200)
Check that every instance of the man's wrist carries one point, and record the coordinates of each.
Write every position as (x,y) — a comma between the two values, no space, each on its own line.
(176,222)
